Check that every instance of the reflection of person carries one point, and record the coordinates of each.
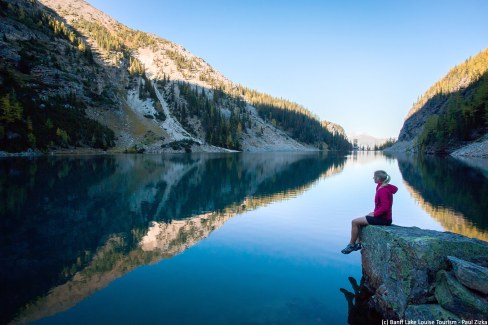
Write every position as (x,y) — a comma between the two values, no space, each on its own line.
(381,215)
(358,310)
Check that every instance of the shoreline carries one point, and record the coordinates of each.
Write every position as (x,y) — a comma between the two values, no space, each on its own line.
(475,149)
(88,151)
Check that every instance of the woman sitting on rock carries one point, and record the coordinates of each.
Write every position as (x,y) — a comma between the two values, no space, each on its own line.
(381,215)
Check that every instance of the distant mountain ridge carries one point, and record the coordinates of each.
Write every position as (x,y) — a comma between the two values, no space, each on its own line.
(65,64)
(365,140)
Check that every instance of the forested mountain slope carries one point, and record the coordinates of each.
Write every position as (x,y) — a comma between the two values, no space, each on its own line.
(72,77)
(452,113)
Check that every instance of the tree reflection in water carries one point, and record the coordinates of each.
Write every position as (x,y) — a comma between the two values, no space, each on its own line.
(71,225)
(450,191)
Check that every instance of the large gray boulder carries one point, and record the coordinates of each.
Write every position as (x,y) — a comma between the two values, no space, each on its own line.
(400,264)
(453,296)
(470,275)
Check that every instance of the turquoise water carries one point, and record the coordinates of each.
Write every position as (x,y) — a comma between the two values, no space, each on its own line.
(207,239)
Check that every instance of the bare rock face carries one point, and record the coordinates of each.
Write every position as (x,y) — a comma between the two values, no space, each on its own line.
(401,265)
(416,119)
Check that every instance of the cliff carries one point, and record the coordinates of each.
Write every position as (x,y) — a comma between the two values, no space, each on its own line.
(421,274)
(451,114)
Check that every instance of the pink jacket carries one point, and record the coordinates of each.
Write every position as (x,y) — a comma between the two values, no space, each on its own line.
(383,200)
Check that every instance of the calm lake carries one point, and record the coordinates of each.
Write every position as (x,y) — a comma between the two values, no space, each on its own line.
(208,238)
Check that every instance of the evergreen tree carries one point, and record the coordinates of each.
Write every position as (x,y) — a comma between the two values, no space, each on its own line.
(10,108)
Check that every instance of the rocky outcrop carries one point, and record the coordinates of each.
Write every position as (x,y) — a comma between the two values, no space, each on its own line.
(425,274)
(453,296)
(470,275)
(478,148)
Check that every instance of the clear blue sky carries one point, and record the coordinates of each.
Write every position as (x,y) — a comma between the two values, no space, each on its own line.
(361,64)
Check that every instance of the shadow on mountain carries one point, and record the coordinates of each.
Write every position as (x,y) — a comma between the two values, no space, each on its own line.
(449,190)
(68,221)
(48,77)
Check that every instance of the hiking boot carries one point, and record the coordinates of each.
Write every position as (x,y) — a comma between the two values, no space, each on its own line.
(351,248)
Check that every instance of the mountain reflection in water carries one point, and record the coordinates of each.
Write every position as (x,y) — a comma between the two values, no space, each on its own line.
(72,225)
(449,190)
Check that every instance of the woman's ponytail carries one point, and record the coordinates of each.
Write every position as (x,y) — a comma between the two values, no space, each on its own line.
(383,176)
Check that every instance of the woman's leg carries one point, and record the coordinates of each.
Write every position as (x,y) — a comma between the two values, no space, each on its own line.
(356,224)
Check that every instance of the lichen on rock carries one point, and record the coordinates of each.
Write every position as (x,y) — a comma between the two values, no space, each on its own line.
(400,265)
(470,275)
(458,299)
